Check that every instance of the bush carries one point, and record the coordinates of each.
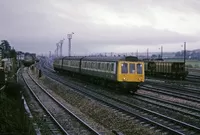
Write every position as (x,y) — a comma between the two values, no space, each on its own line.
(12,114)
(13,90)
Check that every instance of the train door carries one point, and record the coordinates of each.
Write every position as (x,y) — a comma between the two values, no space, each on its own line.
(122,71)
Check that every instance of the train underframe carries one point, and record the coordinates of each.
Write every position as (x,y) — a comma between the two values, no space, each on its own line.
(175,75)
(124,87)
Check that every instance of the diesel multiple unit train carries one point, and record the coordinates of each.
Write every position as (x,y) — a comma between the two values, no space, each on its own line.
(124,72)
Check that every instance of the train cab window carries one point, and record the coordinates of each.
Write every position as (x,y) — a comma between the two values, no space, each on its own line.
(131,68)
(139,69)
(124,68)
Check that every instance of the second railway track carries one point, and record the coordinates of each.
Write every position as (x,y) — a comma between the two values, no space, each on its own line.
(68,122)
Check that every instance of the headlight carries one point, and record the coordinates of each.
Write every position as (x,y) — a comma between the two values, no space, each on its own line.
(124,78)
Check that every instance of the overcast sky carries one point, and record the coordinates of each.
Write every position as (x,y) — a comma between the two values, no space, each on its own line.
(100,25)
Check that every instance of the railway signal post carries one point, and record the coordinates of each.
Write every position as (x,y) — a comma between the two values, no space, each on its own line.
(61,43)
(69,38)
(161,53)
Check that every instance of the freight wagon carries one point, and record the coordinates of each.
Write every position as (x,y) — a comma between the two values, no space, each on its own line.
(166,69)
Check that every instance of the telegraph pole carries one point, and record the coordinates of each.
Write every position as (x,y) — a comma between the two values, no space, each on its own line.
(69,38)
(137,53)
(147,53)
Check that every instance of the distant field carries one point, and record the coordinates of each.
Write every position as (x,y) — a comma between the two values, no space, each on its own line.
(189,63)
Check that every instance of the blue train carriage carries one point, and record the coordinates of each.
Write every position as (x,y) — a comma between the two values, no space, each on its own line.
(126,72)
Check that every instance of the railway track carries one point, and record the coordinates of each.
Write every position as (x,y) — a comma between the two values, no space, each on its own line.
(173,93)
(148,117)
(66,121)
(162,103)
(186,82)
(193,78)
(196,70)
(177,105)
(182,109)
(177,87)
(191,111)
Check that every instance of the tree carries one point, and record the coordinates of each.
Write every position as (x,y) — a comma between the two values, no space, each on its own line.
(6,48)
(154,56)
(13,53)
(6,45)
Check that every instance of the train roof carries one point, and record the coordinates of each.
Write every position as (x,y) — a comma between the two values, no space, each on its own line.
(177,62)
(103,58)
(72,58)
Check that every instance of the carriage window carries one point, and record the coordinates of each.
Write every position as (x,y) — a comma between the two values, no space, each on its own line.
(107,66)
(104,66)
(132,68)
(93,65)
(124,68)
(90,64)
(98,65)
(112,67)
(139,69)
(87,65)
